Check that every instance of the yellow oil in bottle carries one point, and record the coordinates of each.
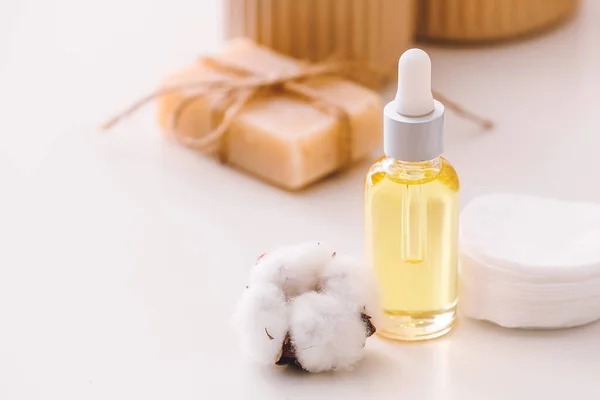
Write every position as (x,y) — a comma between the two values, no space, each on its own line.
(411,232)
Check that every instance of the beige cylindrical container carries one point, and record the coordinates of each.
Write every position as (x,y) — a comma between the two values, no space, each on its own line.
(375,32)
(472,21)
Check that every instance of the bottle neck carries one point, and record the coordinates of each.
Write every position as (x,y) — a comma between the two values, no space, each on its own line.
(412,170)
(415,164)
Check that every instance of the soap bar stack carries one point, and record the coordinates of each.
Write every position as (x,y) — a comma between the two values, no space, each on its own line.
(278,136)
(530,262)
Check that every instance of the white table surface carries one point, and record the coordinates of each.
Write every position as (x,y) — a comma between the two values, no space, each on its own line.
(122,255)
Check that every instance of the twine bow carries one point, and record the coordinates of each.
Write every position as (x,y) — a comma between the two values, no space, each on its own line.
(237,93)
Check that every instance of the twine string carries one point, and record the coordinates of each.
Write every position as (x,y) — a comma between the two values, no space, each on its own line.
(485,123)
(247,86)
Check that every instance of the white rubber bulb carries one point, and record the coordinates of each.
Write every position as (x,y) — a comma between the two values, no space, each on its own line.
(414,98)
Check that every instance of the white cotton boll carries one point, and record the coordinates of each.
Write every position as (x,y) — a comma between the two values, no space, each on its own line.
(325,333)
(261,321)
(295,269)
(348,279)
(306,306)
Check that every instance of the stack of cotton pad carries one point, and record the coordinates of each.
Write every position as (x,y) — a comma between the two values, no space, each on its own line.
(530,262)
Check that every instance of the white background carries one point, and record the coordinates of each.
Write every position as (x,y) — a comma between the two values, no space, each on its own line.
(122,254)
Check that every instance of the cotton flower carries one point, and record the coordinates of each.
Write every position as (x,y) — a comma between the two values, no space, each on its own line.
(307,306)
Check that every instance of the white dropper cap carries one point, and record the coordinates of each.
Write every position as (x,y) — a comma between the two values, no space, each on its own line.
(414,98)
(414,121)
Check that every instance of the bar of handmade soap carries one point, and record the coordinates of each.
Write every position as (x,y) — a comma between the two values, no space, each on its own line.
(279,137)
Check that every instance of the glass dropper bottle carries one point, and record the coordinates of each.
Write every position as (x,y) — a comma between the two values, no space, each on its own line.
(411,212)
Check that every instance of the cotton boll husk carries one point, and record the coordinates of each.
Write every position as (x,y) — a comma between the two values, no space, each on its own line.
(262,321)
(295,269)
(326,334)
(346,278)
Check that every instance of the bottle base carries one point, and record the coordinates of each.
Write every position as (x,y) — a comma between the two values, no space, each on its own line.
(416,326)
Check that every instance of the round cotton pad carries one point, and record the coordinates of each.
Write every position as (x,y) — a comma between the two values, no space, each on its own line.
(530,262)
